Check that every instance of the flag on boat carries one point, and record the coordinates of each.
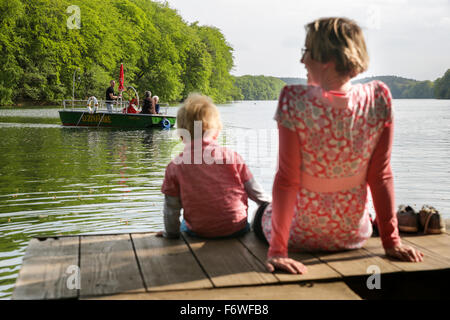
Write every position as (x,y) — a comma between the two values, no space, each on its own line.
(121,78)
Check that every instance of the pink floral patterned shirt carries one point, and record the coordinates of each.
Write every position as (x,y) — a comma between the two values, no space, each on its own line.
(328,158)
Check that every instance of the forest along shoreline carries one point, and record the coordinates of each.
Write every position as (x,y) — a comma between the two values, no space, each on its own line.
(44,53)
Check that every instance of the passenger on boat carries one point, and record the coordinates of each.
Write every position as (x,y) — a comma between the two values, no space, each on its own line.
(148,103)
(156,104)
(131,106)
(210,182)
(111,96)
(335,141)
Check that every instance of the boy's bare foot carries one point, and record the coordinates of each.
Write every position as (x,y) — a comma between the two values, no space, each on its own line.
(159,234)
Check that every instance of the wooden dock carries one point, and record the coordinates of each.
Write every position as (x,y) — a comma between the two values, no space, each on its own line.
(142,266)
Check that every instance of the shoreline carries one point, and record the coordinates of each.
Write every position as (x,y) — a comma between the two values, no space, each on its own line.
(48,105)
(34,120)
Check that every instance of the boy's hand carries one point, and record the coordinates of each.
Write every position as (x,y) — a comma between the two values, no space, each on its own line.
(159,234)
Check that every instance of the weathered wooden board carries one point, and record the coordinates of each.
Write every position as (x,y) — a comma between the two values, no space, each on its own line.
(316,268)
(306,291)
(168,264)
(355,262)
(124,266)
(229,263)
(439,244)
(108,265)
(47,269)
(431,260)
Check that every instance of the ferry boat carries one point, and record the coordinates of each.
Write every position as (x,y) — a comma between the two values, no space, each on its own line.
(93,113)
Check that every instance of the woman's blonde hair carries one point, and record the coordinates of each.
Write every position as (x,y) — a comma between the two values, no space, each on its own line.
(340,40)
(198,107)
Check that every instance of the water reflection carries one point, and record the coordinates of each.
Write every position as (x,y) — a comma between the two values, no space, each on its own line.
(57,180)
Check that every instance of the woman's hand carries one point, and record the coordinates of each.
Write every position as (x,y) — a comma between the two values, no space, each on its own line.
(286,264)
(405,253)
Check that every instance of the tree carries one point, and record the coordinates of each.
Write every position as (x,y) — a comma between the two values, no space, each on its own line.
(159,50)
(419,90)
(442,86)
(259,87)
(221,82)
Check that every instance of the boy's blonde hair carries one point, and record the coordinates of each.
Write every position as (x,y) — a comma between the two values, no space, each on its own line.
(198,107)
(340,40)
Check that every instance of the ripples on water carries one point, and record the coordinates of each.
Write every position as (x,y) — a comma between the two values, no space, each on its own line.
(58,181)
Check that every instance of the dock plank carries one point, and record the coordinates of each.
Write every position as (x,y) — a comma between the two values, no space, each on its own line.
(431,260)
(311,291)
(355,262)
(108,265)
(142,266)
(44,273)
(316,268)
(439,244)
(168,264)
(229,263)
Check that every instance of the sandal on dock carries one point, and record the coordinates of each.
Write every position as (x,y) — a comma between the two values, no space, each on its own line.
(431,221)
(408,219)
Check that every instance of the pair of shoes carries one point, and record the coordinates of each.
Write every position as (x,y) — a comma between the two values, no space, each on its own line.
(428,219)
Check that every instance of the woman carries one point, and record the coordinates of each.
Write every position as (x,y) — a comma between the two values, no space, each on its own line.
(131,106)
(334,140)
(148,106)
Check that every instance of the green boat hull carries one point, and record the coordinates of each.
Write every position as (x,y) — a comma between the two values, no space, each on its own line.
(115,120)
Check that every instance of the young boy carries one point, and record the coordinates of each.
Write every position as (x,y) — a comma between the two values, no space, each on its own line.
(210,182)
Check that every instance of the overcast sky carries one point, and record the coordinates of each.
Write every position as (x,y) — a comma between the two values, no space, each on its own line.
(408,38)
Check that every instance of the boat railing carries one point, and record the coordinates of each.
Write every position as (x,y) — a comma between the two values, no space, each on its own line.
(165,106)
(117,105)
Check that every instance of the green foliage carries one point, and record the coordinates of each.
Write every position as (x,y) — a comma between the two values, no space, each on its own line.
(402,88)
(258,87)
(418,90)
(442,86)
(221,82)
(397,85)
(159,50)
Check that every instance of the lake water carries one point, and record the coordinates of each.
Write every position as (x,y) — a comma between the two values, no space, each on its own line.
(56,180)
